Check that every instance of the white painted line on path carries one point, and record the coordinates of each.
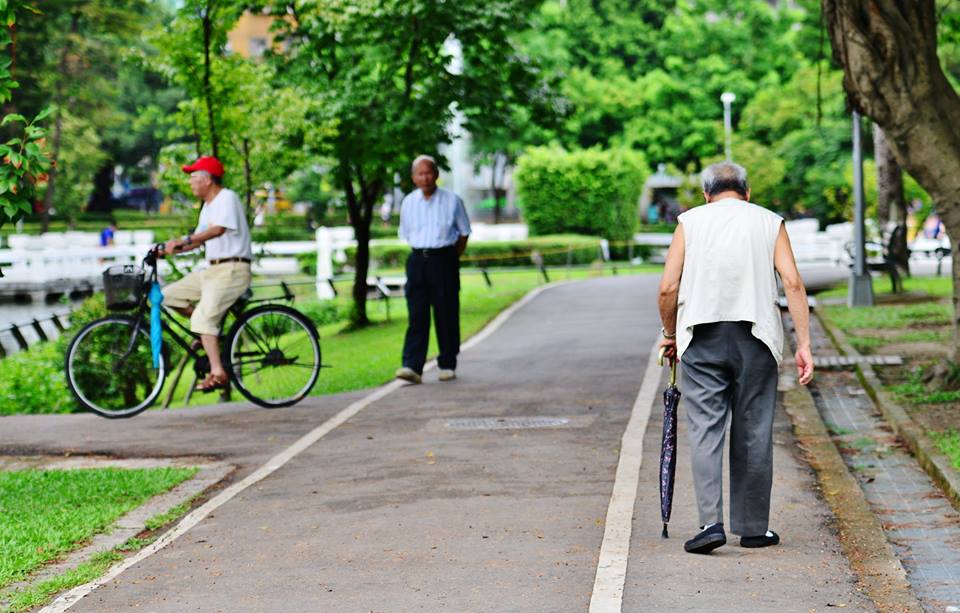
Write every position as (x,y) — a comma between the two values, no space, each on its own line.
(70,598)
(607,594)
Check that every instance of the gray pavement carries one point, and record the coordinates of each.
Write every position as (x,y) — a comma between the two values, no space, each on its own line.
(397,511)
(919,520)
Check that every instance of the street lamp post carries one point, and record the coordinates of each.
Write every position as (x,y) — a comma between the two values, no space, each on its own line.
(861,284)
(727,98)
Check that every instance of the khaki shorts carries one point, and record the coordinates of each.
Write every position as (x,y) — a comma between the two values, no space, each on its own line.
(213,290)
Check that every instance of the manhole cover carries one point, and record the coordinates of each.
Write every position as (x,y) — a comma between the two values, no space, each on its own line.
(507,423)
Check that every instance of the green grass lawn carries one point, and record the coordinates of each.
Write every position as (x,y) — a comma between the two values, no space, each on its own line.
(48,513)
(367,357)
(933,286)
(949,443)
(891,316)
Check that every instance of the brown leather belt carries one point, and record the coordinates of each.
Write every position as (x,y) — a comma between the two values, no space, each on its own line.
(225,260)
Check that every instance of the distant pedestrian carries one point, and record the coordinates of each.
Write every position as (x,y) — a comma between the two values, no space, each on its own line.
(108,233)
(718,303)
(434,223)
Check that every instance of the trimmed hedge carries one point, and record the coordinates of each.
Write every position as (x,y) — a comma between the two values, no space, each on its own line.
(555,251)
(592,191)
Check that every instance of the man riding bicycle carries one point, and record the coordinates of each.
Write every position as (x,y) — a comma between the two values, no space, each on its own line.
(205,295)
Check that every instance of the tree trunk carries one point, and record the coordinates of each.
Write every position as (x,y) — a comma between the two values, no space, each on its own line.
(496,192)
(207,90)
(52,173)
(892,74)
(891,204)
(248,185)
(361,232)
(62,69)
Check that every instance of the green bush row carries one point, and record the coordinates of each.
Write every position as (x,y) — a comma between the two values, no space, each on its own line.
(557,250)
(34,381)
(593,191)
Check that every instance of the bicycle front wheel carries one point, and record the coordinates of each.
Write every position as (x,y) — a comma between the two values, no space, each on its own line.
(273,355)
(110,370)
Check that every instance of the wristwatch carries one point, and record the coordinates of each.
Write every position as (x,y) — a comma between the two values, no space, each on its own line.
(667,336)
(187,240)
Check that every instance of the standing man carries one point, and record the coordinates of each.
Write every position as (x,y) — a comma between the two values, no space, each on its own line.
(718,304)
(205,295)
(434,223)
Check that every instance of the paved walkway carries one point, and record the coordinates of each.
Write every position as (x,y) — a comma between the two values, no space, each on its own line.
(396,510)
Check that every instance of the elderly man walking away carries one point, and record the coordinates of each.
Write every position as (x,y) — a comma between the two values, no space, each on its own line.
(718,304)
(205,295)
(434,223)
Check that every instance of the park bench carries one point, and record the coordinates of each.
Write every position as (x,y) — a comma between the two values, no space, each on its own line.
(882,256)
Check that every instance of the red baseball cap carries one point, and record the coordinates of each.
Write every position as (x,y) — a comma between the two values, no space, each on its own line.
(207,163)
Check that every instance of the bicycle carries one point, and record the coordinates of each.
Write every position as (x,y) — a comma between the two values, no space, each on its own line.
(271,352)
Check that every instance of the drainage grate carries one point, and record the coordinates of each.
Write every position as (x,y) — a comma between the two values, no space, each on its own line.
(836,361)
(507,423)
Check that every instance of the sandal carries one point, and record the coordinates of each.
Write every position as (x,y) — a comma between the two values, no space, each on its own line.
(212,384)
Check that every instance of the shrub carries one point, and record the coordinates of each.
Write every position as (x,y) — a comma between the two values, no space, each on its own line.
(555,250)
(324,312)
(33,381)
(591,191)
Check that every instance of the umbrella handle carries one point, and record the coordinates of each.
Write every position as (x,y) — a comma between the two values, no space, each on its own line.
(673,365)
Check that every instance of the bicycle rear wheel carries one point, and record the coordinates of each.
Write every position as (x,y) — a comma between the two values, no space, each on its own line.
(273,355)
(110,371)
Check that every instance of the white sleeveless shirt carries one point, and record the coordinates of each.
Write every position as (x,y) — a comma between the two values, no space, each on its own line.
(728,272)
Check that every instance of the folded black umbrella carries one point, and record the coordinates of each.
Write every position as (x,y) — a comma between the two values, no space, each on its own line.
(668,446)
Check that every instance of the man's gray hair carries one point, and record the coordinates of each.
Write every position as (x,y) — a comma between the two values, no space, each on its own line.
(425,158)
(724,177)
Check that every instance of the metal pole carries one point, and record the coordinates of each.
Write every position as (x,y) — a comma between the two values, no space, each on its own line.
(727,98)
(861,284)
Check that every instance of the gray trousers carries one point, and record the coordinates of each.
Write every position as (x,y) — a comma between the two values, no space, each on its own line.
(726,370)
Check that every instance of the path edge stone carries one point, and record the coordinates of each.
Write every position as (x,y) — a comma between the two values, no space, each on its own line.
(934,462)
(877,567)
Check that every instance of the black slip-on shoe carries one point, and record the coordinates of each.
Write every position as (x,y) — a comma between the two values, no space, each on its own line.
(707,541)
(752,542)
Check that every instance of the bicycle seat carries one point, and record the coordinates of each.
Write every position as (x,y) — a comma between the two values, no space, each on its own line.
(242,300)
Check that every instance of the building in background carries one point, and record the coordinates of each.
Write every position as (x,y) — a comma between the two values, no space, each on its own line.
(251,37)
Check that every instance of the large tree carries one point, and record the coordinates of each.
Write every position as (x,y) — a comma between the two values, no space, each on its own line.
(234,109)
(24,160)
(391,79)
(74,50)
(892,73)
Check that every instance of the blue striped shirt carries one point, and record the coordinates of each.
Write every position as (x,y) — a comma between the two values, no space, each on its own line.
(435,222)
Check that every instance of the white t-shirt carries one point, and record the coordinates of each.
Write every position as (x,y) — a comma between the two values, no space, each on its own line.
(226,211)
(728,272)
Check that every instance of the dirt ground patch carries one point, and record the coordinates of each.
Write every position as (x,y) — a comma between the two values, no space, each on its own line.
(914,349)
(893,334)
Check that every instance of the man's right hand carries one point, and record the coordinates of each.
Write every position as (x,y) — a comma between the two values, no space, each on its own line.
(170,247)
(804,365)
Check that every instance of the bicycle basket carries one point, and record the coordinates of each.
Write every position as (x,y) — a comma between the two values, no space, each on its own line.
(123,286)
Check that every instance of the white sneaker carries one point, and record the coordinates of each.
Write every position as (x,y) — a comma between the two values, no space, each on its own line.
(447,375)
(408,374)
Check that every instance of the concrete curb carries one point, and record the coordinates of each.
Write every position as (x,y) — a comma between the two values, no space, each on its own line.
(865,543)
(933,461)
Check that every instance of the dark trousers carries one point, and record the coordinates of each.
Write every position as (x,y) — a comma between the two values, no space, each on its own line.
(729,372)
(433,280)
